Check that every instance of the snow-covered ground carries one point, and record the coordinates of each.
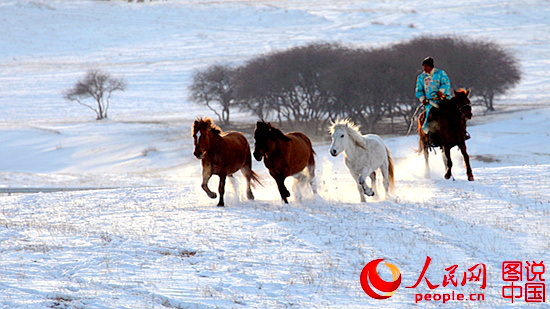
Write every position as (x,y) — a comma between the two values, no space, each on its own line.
(147,236)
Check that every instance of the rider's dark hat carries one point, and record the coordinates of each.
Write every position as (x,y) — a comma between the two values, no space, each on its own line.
(428,61)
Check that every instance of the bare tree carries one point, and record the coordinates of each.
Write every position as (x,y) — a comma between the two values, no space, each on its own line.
(290,85)
(97,85)
(363,87)
(214,86)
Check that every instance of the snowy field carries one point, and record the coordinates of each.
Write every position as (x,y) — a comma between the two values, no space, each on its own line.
(131,227)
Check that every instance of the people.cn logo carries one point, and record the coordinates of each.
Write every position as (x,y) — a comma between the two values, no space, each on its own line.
(372,284)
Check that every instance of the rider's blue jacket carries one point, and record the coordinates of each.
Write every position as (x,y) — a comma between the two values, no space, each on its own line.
(427,85)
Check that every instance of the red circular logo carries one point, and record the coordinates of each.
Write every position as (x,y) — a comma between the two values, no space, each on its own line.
(369,277)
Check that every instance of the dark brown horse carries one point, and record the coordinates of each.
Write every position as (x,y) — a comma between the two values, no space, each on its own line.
(285,155)
(448,130)
(222,154)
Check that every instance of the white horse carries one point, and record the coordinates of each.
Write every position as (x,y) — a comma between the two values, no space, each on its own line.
(363,155)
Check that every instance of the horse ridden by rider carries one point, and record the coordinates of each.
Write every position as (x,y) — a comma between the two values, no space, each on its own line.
(443,123)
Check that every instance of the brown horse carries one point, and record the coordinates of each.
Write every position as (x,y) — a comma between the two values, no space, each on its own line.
(448,130)
(222,154)
(285,155)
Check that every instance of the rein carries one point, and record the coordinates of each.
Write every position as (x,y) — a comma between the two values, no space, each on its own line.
(413,118)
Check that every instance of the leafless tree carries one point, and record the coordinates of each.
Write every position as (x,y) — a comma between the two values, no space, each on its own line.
(213,87)
(290,85)
(97,85)
(363,86)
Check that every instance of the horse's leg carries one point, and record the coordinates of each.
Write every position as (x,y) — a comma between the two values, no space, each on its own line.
(206,174)
(311,172)
(359,187)
(280,179)
(221,190)
(366,189)
(234,184)
(299,180)
(466,162)
(448,161)
(427,174)
(373,184)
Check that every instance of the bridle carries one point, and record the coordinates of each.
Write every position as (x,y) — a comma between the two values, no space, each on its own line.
(462,107)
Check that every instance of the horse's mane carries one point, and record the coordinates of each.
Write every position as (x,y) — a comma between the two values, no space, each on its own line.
(461,94)
(352,130)
(275,132)
(205,123)
(461,91)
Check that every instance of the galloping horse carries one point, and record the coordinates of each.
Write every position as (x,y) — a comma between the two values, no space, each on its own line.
(363,155)
(449,131)
(222,154)
(285,155)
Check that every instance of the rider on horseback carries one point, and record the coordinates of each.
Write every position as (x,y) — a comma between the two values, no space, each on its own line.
(432,86)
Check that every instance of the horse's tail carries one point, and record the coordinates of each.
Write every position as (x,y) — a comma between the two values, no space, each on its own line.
(255,179)
(422,138)
(312,156)
(248,172)
(390,169)
(311,168)
(311,160)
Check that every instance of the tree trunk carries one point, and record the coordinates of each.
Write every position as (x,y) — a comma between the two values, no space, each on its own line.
(491,107)
(225,115)
(100,110)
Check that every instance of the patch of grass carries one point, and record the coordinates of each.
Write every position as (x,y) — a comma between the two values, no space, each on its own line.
(147,150)
(485,158)
(184,253)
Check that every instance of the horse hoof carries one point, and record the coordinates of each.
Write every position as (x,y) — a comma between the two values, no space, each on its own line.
(250,196)
(367,193)
(470,178)
(212,195)
(221,205)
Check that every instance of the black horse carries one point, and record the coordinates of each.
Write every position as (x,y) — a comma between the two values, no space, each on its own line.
(285,155)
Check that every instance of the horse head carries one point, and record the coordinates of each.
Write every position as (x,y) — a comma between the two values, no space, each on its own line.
(463,103)
(261,136)
(339,135)
(266,137)
(202,130)
(344,134)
